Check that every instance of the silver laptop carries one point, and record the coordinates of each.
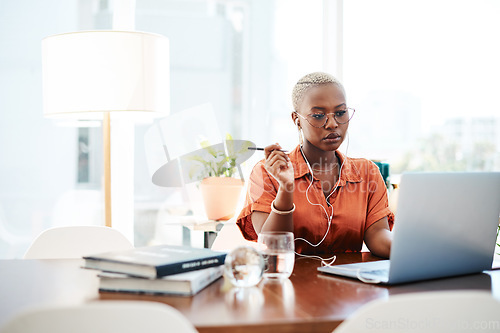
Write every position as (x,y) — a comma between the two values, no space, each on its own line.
(446,225)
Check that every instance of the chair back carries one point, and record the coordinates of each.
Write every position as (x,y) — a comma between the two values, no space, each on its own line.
(76,242)
(101,317)
(429,312)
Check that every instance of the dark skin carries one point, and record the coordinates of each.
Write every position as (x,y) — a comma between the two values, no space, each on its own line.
(319,147)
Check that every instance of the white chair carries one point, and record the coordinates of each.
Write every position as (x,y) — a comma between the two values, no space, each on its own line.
(101,317)
(75,242)
(440,312)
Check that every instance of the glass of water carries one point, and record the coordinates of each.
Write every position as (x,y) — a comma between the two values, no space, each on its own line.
(278,250)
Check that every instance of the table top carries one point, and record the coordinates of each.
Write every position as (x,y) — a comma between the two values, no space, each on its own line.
(308,301)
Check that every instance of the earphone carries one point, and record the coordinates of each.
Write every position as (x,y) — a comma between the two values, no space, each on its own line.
(329,216)
(324,262)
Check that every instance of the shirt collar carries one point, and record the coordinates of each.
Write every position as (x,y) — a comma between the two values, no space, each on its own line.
(349,173)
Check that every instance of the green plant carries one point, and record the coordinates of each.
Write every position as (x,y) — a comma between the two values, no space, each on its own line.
(217,160)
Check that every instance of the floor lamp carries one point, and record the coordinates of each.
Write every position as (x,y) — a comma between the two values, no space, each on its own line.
(91,74)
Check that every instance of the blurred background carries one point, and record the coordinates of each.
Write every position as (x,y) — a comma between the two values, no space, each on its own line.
(422,75)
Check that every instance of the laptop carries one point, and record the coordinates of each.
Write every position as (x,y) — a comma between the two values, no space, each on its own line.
(446,225)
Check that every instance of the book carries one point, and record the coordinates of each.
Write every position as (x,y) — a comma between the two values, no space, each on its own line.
(182,284)
(155,261)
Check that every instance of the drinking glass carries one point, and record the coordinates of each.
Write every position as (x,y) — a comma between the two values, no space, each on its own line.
(278,250)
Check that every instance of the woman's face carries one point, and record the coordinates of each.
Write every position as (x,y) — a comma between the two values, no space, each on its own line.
(323,99)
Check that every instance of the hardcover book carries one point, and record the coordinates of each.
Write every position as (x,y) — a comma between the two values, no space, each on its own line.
(183,284)
(155,261)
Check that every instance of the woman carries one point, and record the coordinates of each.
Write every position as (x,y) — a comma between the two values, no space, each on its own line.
(331,202)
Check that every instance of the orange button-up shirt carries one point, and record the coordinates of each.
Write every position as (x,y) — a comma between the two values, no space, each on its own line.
(359,201)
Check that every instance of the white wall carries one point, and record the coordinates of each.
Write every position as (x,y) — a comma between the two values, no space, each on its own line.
(37,158)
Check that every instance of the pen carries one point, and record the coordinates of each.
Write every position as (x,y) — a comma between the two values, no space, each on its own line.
(259,148)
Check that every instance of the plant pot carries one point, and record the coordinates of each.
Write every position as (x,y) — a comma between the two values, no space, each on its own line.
(220,195)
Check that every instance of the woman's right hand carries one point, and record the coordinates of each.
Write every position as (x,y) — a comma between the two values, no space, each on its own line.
(279,166)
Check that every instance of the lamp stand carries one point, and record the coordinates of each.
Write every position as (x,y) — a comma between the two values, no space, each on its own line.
(106,138)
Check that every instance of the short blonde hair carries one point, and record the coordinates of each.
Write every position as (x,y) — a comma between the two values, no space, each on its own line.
(309,81)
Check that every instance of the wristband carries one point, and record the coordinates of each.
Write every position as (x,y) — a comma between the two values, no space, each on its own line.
(282,212)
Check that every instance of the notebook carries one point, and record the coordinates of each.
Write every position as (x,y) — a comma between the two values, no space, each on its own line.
(445,225)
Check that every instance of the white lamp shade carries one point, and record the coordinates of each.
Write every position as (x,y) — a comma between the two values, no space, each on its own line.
(87,73)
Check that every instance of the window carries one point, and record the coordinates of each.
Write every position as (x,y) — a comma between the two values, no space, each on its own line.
(423,76)
(242,57)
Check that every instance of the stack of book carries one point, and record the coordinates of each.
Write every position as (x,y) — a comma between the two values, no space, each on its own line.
(161,269)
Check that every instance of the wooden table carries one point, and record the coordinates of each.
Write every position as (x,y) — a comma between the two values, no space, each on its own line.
(307,302)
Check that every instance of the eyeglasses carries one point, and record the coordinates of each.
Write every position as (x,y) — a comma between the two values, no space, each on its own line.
(319,120)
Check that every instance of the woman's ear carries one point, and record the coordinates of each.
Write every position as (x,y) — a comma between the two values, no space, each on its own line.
(295,119)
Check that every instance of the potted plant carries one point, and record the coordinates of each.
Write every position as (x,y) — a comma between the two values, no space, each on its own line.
(216,166)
